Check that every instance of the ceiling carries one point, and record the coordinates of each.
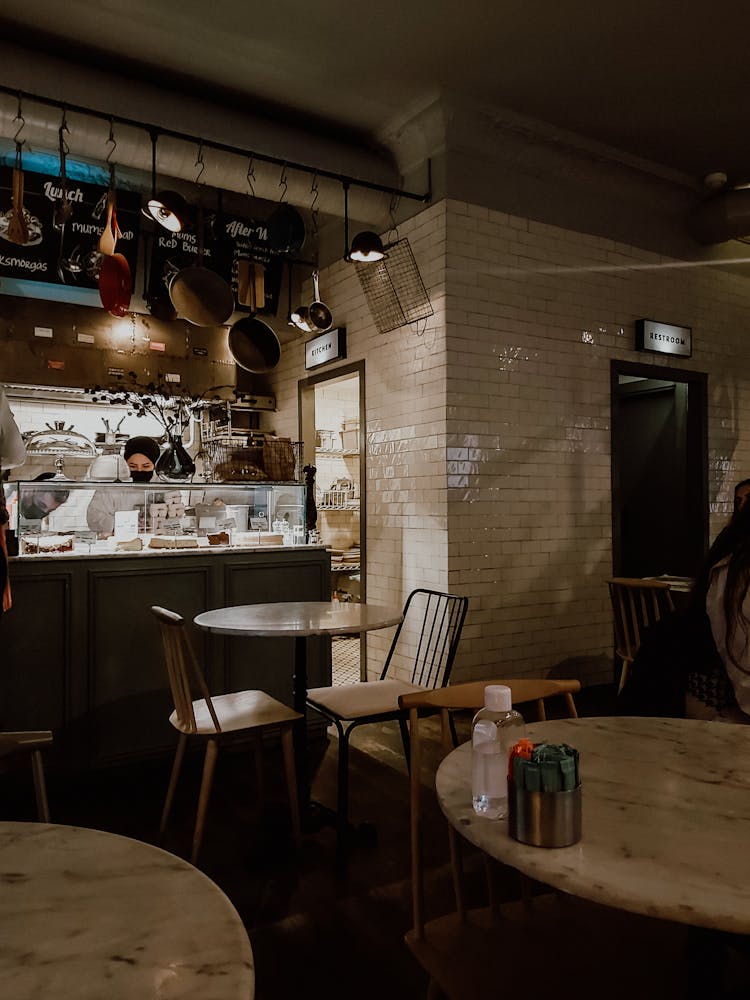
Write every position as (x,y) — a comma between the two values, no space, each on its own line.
(665,80)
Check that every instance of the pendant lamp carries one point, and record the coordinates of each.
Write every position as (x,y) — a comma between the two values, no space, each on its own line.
(168,208)
(366,247)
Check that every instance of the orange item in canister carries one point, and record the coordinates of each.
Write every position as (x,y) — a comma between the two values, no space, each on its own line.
(523,749)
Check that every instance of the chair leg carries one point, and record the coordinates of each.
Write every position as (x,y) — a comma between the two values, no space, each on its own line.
(40,790)
(342,810)
(405,740)
(260,784)
(209,766)
(178,757)
(287,746)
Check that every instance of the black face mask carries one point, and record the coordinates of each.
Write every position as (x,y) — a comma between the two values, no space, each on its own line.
(141,476)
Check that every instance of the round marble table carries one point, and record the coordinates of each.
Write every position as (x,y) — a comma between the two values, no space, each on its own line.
(666,818)
(298,620)
(89,915)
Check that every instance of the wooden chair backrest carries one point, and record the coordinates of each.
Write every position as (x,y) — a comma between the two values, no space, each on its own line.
(636,605)
(458,697)
(427,638)
(186,679)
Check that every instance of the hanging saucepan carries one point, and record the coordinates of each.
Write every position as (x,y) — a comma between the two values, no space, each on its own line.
(200,295)
(286,229)
(254,345)
(318,314)
(115,284)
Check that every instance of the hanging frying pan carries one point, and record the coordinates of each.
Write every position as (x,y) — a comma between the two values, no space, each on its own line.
(115,284)
(286,229)
(254,345)
(200,295)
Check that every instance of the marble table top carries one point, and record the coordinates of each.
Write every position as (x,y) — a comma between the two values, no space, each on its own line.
(666,818)
(298,618)
(89,915)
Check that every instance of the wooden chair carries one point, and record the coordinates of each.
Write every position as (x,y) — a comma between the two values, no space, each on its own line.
(636,605)
(31,742)
(211,719)
(546,944)
(425,644)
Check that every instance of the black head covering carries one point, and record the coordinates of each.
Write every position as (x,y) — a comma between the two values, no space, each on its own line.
(141,446)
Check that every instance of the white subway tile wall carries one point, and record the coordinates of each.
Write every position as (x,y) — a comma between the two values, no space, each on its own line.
(488,427)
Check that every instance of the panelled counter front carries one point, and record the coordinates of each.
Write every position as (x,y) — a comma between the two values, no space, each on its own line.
(80,650)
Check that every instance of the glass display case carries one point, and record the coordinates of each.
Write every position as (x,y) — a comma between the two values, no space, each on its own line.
(57,517)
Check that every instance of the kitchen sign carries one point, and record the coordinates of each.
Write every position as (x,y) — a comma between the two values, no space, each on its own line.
(662,338)
(327,347)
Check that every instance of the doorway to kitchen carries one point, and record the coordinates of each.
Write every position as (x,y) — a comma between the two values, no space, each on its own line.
(659,470)
(332,415)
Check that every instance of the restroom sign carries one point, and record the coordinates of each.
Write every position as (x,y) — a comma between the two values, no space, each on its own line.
(663,338)
(329,346)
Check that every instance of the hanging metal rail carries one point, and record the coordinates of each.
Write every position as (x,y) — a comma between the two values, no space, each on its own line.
(158,130)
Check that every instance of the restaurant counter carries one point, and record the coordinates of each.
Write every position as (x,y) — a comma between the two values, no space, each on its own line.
(81,651)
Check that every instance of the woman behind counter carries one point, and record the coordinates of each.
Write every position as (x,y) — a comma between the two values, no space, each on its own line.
(140,455)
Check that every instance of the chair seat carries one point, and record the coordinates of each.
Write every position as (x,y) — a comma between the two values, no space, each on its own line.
(360,700)
(32,740)
(239,710)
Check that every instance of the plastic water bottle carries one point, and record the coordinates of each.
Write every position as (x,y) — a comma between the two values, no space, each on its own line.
(495,729)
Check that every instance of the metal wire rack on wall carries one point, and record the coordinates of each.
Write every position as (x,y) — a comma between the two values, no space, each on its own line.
(394,288)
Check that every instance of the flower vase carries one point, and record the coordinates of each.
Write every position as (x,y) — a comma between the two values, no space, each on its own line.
(175,465)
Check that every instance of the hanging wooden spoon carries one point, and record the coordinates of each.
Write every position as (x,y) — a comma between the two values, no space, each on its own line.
(108,239)
(18,231)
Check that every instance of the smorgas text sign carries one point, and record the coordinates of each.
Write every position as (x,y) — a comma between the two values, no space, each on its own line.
(330,346)
(663,338)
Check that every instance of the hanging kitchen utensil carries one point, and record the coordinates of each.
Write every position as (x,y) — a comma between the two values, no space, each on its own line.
(111,232)
(18,230)
(318,313)
(286,230)
(254,345)
(285,227)
(200,295)
(115,284)
(63,206)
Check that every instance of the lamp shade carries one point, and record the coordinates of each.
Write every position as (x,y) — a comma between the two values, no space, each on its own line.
(169,209)
(367,248)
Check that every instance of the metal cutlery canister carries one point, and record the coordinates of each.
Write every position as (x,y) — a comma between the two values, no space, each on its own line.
(544,819)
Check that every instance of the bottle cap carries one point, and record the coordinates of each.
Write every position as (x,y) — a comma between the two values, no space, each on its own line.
(498,698)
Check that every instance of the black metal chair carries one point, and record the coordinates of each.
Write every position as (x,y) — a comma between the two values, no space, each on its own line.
(423,647)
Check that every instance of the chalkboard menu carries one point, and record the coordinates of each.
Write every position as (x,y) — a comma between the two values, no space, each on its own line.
(65,255)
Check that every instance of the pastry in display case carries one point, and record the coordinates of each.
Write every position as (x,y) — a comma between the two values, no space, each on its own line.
(49,517)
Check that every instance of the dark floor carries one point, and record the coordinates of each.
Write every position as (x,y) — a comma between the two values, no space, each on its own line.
(313,932)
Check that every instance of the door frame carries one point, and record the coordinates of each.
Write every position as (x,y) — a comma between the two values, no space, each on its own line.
(697,435)
(303,416)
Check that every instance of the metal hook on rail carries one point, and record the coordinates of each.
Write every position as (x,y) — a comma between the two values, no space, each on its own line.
(282,183)
(19,118)
(200,163)
(111,141)
(251,179)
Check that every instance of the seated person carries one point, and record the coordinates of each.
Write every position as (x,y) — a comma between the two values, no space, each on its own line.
(136,466)
(723,591)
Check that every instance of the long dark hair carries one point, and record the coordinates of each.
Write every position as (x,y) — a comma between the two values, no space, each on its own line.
(732,541)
